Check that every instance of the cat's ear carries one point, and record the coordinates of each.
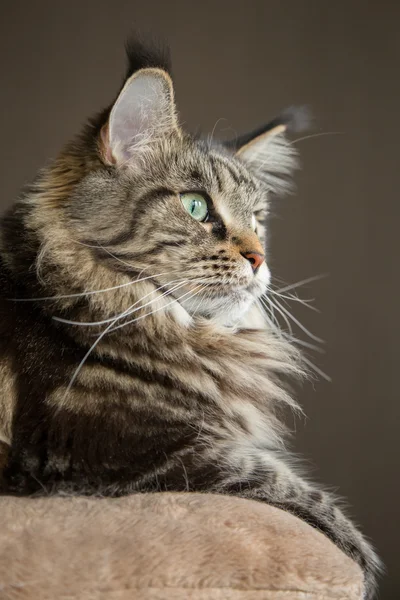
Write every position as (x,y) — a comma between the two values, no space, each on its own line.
(143,113)
(267,152)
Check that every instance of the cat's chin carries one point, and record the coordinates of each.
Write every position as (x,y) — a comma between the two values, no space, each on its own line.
(227,310)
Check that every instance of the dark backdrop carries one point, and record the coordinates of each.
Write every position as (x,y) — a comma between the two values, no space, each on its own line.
(244,62)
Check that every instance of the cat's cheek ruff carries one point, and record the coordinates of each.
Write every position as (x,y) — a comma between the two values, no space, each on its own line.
(180,314)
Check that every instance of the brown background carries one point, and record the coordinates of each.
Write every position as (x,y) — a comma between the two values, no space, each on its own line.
(244,62)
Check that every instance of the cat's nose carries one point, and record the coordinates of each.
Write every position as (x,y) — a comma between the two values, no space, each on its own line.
(255,259)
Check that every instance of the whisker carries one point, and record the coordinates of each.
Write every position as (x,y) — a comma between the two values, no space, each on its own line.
(98,247)
(153,312)
(271,311)
(94,323)
(201,299)
(210,137)
(116,257)
(295,298)
(296,340)
(167,293)
(268,308)
(274,324)
(108,329)
(89,293)
(277,307)
(92,347)
(286,288)
(297,322)
(314,135)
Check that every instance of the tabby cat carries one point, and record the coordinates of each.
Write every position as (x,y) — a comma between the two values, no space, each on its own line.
(133,352)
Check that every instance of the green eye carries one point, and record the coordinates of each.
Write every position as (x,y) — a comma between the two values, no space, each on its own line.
(196,205)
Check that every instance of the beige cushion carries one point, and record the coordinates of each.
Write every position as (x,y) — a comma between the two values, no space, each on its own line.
(166,547)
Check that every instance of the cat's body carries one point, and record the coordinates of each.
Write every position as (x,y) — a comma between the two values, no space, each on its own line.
(184,398)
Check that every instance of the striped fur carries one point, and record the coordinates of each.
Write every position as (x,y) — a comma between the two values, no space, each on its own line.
(183,383)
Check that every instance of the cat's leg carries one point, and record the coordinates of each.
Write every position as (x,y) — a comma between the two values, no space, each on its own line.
(274,482)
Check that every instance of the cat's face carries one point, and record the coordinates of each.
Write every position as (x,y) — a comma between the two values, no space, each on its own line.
(188,213)
(190,216)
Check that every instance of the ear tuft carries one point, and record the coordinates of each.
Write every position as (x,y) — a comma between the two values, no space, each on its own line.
(294,119)
(267,152)
(154,54)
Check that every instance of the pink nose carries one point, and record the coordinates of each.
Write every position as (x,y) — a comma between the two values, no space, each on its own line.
(255,259)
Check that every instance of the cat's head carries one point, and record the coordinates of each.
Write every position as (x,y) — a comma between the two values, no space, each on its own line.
(186,212)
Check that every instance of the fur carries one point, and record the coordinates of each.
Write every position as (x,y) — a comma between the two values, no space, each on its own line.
(132,356)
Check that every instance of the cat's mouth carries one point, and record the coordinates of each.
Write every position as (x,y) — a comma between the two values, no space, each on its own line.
(220,298)
(255,285)
(225,302)
(223,289)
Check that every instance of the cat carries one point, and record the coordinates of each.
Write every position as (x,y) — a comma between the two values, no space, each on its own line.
(134,356)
